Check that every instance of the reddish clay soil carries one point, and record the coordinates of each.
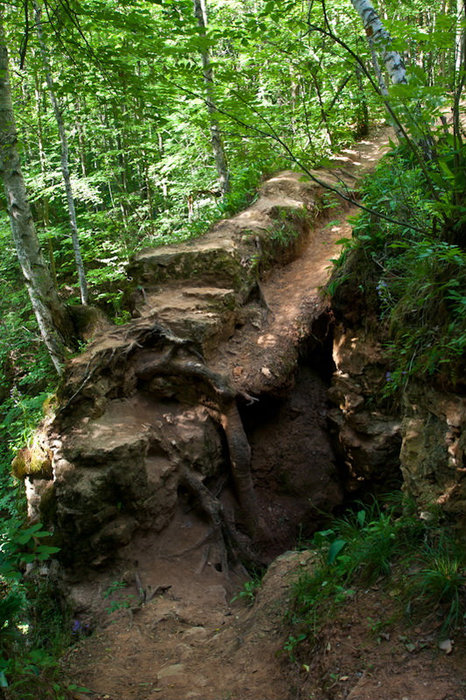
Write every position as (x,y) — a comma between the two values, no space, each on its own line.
(163,624)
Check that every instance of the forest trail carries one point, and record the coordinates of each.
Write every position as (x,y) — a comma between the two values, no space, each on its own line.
(293,292)
(167,628)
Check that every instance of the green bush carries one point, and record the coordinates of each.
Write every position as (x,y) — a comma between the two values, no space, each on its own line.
(412,273)
(35,627)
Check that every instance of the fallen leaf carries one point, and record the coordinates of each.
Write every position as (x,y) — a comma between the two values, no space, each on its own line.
(266,372)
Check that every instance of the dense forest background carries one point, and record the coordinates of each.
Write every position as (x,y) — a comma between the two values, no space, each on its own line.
(141,123)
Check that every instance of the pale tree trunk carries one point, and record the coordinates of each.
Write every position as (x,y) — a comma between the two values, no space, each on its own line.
(460,36)
(64,158)
(380,38)
(460,75)
(43,168)
(50,313)
(215,135)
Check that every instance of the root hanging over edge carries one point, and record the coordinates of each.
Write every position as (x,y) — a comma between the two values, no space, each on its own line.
(223,534)
(217,389)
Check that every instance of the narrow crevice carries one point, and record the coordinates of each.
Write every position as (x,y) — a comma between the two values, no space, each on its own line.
(294,466)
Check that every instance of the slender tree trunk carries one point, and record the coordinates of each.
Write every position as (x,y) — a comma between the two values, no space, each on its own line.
(323,113)
(460,36)
(380,38)
(50,313)
(81,140)
(377,70)
(43,169)
(460,78)
(215,135)
(64,158)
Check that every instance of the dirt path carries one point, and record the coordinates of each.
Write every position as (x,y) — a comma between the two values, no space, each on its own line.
(293,293)
(167,629)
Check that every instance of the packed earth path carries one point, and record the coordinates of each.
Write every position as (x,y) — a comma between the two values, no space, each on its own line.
(165,621)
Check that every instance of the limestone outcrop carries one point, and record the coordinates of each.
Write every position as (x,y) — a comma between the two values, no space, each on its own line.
(433,452)
(163,405)
(415,439)
(368,434)
(148,409)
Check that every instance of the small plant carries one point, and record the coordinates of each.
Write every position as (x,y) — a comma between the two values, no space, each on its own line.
(440,584)
(292,643)
(358,549)
(119,603)
(249,591)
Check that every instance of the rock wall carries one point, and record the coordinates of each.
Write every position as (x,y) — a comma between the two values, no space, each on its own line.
(367,433)
(433,452)
(122,435)
(416,439)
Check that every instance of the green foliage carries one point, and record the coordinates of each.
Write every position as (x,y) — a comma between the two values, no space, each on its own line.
(414,279)
(34,625)
(118,601)
(249,591)
(371,544)
(438,586)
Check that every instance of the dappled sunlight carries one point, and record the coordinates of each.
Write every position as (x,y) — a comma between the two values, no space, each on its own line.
(269,340)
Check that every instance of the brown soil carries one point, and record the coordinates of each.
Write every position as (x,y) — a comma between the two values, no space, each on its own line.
(370,651)
(168,630)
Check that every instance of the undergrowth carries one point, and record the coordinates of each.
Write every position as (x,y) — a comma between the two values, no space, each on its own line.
(35,625)
(418,559)
(412,274)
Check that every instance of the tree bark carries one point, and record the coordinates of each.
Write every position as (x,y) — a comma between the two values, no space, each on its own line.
(215,135)
(65,167)
(380,38)
(52,318)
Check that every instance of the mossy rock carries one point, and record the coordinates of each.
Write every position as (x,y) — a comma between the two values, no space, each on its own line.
(34,461)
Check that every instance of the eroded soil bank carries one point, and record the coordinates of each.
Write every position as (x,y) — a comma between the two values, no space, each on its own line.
(219,382)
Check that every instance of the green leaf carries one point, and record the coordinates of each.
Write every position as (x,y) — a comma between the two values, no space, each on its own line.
(335,549)
(446,170)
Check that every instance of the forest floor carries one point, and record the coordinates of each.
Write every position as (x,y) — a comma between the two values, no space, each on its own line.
(164,624)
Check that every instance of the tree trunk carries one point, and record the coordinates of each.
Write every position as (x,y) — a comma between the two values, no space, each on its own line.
(379,37)
(65,167)
(215,135)
(43,169)
(51,315)
(362,114)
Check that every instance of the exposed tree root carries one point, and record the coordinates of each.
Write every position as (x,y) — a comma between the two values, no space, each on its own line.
(224,536)
(217,388)
(240,458)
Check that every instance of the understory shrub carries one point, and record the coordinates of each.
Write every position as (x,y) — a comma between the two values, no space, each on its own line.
(412,271)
